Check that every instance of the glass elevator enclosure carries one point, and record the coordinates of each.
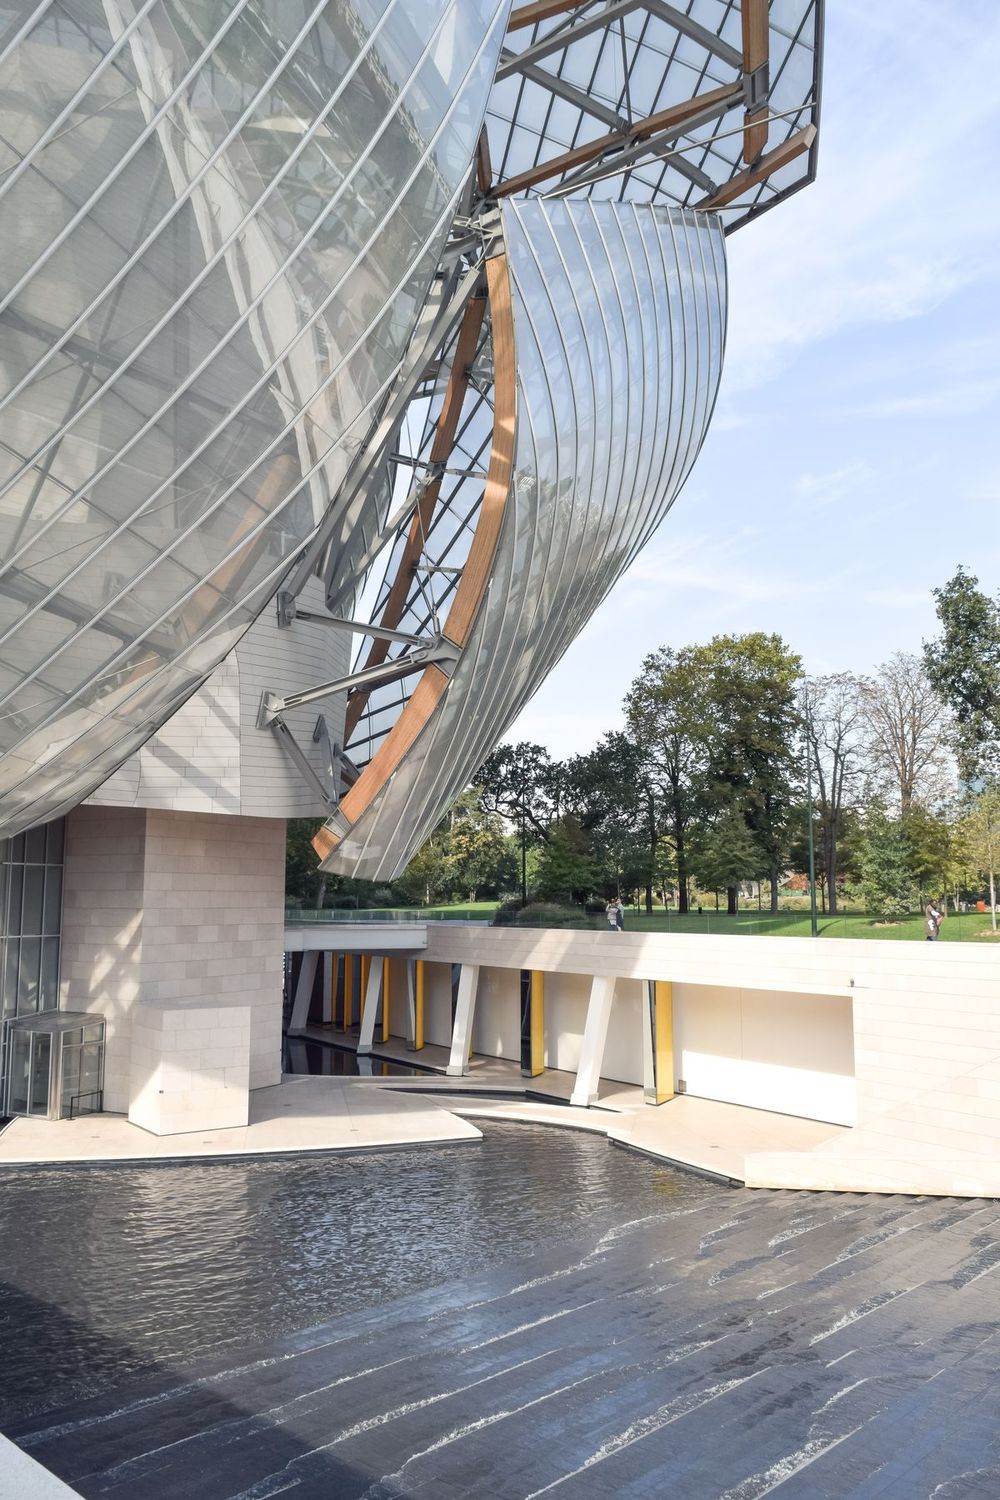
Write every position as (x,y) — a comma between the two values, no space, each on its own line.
(55,1065)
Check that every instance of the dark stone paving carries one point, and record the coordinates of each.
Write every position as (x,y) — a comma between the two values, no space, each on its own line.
(816,1345)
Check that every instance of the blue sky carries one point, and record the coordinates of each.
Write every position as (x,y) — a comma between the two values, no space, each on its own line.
(854,459)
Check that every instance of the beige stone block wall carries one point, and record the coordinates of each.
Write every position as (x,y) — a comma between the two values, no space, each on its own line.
(102,930)
(190,1067)
(184,908)
(214,921)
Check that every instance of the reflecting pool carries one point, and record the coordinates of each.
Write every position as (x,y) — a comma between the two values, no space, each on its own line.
(106,1272)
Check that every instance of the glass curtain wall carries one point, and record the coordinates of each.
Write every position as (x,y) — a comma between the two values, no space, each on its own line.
(31,886)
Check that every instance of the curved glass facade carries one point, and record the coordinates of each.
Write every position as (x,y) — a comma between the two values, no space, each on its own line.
(220,224)
(619,315)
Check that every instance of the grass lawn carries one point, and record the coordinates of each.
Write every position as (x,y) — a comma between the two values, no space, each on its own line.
(966,927)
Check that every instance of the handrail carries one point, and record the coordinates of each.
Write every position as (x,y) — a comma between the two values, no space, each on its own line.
(88,1094)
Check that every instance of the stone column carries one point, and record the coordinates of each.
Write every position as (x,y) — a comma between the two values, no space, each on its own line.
(174,906)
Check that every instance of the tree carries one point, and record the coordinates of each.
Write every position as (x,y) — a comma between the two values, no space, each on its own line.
(963,667)
(751,684)
(305,882)
(614,798)
(934,850)
(428,875)
(565,867)
(725,853)
(523,784)
(666,712)
(833,717)
(478,853)
(906,730)
(980,833)
(886,879)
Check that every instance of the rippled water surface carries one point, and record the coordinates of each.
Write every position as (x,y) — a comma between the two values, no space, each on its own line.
(108,1271)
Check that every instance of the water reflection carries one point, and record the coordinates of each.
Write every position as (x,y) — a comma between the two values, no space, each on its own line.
(108,1271)
(299,1055)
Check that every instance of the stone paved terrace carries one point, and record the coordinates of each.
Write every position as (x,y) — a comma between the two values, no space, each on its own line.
(731,1345)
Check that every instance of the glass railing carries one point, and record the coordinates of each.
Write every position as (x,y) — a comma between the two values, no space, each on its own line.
(307,915)
(969,926)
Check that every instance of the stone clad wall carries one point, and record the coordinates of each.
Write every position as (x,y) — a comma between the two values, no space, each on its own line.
(101,969)
(190,1067)
(210,757)
(178,907)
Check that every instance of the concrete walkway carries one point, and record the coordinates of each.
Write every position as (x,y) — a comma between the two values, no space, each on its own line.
(299,1115)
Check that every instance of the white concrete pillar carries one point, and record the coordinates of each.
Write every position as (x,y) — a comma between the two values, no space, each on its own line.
(465,1015)
(411,1004)
(303,993)
(595,1035)
(369,1006)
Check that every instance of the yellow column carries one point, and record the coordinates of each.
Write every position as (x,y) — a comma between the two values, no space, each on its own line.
(662,1019)
(537,1022)
(334,961)
(385,999)
(348,989)
(418,1005)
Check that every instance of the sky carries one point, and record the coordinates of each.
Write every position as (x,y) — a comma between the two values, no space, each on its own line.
(854,457)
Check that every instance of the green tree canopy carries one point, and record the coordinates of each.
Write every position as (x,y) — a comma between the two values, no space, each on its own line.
(524,785)
(980,838)
(667,715)
(566,869)
(887,885)
(613,796)
(963,666)
(725,853)
(751,684)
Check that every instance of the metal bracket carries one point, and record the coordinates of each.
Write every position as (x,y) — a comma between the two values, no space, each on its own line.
(440,652)
(343,771)
(302,763)
(757,87)
(289,612)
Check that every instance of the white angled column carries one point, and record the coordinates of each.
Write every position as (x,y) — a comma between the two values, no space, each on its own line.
(465,1015)
(595,1034)
(303,992)
(369,1006)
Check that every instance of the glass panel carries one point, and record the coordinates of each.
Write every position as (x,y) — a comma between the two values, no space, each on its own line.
(9,992)
(15,881)
(54,834)
(53,900)
(34,846)
(273,293)
(20,1056)
(70,1073)
(49,994)
(90,1067)
(40,1054)
(28,976)
(34,887)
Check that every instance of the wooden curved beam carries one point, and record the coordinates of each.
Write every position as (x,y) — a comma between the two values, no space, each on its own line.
(475,578)
(441,449)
